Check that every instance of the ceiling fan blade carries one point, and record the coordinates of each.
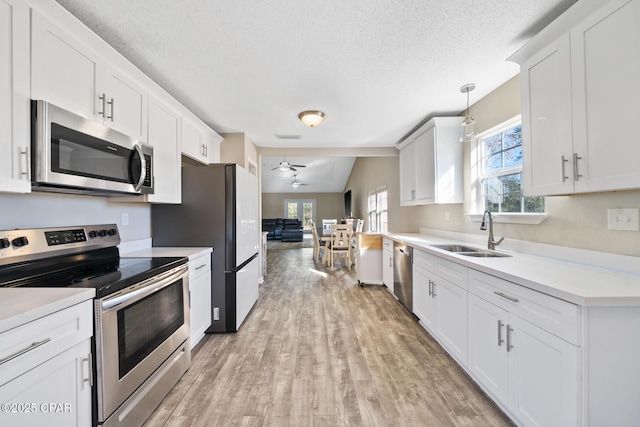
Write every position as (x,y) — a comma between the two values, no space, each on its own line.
(299,166)
(277,167)
(292,168)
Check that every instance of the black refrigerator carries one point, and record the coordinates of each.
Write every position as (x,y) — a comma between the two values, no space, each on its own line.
(219,209)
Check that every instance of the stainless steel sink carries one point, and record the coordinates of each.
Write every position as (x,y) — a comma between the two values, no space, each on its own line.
(485,254)
(456,248)
(472,252)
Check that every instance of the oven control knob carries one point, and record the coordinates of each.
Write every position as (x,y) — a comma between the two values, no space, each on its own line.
(93,234)
(4,243)
(20,241)
(102,233)
(112,232)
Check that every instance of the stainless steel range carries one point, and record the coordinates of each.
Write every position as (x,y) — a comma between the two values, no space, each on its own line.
(141,317)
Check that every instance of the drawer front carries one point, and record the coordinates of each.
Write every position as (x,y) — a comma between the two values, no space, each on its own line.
(424,260)
(36,342)
(450,271)
(554,315)
(199,266)
(387,244)
(454,273)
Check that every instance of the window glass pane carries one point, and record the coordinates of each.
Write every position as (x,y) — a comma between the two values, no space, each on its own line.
(307,214)
(513,157)
(492,144)
(513,137)
(493,163)
(292,210)
(511,200)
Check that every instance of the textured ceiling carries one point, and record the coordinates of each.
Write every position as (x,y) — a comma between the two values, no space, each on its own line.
(377,68)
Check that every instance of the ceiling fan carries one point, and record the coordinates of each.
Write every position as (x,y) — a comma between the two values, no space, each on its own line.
(286,166)
(295,183)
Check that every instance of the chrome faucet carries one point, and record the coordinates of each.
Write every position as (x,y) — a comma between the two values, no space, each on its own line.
(491,245)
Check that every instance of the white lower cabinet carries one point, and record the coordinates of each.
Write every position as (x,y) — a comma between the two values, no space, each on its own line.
(531,372)
(199,297)
(46,374)
(440,304)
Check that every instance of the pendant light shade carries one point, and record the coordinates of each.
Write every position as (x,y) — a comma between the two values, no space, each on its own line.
(468,127)
(311,118)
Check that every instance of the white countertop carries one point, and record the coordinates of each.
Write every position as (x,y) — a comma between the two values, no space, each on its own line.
(22,305)
(189,252)
(577,283)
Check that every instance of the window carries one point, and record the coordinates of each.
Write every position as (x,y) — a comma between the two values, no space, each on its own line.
(500,172)
(301,209)
(377,209)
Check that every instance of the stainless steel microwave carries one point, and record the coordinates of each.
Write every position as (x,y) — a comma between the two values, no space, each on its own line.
(73,154)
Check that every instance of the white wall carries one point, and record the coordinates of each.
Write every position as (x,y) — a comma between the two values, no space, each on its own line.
(52,210)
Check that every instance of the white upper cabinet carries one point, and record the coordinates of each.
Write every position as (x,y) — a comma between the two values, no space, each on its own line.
(579,96)
(431,164)
(199,142)
(164,135)
(14,97)
(72,75)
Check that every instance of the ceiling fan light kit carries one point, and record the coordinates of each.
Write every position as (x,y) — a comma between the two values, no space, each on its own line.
(295,183)
(311,118)
(285,166)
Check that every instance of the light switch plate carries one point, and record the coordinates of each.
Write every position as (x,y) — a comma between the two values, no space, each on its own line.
(627,219)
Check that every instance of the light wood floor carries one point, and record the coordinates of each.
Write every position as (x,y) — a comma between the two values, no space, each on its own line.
(322,351)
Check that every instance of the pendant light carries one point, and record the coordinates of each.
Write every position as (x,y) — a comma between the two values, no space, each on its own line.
(468,127)
(311,118)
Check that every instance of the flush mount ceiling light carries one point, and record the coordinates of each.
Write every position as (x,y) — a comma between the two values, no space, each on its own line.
(468,127)
(311,118)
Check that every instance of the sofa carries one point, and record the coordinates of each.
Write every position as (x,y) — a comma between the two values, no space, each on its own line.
(286,230)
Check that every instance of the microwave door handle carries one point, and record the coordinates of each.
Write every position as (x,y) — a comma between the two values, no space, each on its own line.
(143,167)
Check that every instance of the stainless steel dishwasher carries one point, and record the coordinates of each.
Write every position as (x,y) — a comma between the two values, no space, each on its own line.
(403,274)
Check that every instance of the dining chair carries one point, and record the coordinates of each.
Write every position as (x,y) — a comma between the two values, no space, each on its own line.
(340,244)
(318,246)
(359,226)
(326,226)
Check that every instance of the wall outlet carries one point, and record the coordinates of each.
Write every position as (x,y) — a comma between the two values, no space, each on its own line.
(623,219)
(125,219)
(216,313)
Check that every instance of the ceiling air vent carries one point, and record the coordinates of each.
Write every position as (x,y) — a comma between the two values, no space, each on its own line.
(289,136)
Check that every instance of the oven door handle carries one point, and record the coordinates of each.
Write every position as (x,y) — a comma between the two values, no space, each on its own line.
(146,288)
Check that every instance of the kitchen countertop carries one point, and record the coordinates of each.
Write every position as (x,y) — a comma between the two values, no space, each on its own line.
(189,252)
(22,305)
(576,283)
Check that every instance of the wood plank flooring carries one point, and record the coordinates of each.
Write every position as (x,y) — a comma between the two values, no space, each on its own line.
(322,351)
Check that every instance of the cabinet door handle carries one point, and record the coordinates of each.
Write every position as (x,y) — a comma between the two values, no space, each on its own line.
(576,173)
(509,345)
(433,289)
(112,104)
(26,171)
(89,378)
(33,346)
(563,161)
(390,262)
(510,298)
(500,326)
(103,98)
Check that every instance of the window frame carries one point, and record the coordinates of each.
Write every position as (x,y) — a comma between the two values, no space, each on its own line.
(477,205)
(381,226)
(300,202)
